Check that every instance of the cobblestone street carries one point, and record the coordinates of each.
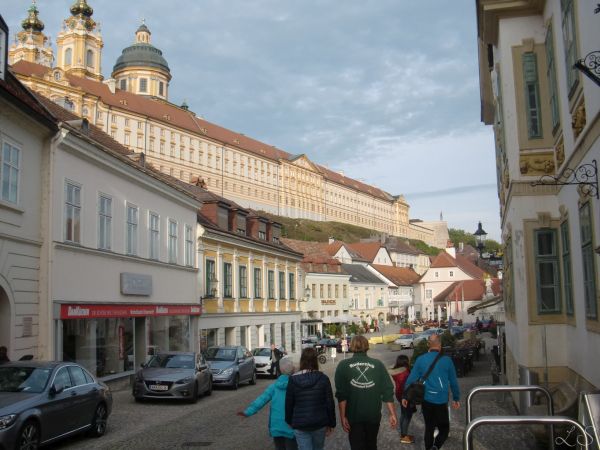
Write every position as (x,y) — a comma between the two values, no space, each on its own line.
(212,422)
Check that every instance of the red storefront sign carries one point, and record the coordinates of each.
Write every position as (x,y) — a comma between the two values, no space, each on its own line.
(117,311)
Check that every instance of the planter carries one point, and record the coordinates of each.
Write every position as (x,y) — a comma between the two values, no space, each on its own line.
(405,331)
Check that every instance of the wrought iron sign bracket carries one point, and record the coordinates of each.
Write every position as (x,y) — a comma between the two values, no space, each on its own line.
(585,176)
(590,66)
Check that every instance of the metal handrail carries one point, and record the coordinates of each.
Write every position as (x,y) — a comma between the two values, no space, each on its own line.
(512,388)
(523,420)
(508,388)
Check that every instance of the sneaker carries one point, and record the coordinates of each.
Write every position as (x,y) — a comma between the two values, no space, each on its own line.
(407,440)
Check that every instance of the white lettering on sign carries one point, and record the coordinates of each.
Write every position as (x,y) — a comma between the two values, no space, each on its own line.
(76,311)
(162,310)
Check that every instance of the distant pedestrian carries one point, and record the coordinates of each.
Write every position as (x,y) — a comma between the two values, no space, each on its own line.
(309,404)
(361,384)
(3,355)
(400,372)
(435,404)
(280,431)
(276,355)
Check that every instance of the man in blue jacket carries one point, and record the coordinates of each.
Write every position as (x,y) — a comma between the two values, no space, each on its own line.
(435,402)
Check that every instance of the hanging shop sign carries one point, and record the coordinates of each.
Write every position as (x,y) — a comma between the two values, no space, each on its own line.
(116,311)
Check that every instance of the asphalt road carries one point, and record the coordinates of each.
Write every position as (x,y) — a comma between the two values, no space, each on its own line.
(212,423)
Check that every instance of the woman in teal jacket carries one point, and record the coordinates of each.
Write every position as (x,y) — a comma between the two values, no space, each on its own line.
(280,431)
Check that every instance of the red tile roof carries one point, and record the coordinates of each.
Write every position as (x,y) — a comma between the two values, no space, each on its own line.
(444,259)
(368,250)
(187,120)
(468,290)
(400,276)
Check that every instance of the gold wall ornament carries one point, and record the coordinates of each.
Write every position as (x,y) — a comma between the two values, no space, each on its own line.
(578,120)
(537,163)
(560,152)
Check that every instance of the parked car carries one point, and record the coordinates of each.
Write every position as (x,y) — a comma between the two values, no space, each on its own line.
(310,341)
(173,375)
(405,341)
(42,402)
(327,342)
(231,365)
(425,334)
(262,360)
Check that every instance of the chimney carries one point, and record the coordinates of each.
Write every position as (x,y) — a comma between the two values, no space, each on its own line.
(461,247)
(331,240)
(112,85)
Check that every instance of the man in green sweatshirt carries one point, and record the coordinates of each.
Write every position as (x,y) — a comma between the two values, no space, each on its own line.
(361,384)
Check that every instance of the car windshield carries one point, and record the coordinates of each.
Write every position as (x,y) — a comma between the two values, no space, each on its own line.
(261,352)
(221,354)
(406,336)
(172,361)
(23,379)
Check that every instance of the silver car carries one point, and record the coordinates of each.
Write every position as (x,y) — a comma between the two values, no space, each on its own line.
(173,375)
(41,402)
(231,365)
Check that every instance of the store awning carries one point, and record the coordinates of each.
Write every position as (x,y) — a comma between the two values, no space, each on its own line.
(485,304)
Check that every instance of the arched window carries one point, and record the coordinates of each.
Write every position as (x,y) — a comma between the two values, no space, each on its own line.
(68,56)
(89,58)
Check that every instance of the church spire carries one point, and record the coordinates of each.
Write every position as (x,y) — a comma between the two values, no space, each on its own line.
(32,22)
(31,44)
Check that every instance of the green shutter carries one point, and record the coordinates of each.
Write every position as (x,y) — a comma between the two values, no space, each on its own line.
(547,272)
(551,73)
(532,96)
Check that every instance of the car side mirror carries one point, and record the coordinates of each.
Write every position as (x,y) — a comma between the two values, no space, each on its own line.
(56,389)
(143,365)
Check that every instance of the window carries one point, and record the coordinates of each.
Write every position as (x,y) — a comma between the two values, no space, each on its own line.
(154,236)
(262,231)
(132,230)
(428,294)
(321,291)
(551,74)
(292,287)
(172,244)
(11,157)
(161,88)
(210,278)
(227,282)
(451,273)
(532,95)
(546,271)
(143,84)
(271,283)
(123,84)
(243,282)
(189,246)
(72,213)
(337,291)
(589,270)
(89,58)
(3,47)
(281,285)
(241,224)
(104,222)
(566,267)
(68,56)
(436,274)
(313,290)
(222,217)
(328,291)
(257,283)
(570,41)
(344,291)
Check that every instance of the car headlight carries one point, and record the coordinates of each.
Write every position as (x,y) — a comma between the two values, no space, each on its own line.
(185,380)
(7,421)
(227,371)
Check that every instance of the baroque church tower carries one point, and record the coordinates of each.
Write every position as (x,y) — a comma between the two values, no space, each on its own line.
(79,43)
(30,43)
(142,69)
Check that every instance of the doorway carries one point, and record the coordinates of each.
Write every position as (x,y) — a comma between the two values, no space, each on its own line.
(5,319)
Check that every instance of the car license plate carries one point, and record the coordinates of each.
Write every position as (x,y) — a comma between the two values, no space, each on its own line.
(159,387)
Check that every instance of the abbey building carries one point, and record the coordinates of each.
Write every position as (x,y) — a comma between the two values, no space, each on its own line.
(133,107)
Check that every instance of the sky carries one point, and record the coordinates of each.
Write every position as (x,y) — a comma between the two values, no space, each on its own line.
(386,91)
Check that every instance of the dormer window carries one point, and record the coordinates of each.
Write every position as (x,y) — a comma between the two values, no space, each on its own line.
(241,224)
(276,230)
(262,231)
(222,217)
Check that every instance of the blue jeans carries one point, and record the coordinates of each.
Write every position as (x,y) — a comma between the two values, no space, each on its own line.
(405,417)
(311,440)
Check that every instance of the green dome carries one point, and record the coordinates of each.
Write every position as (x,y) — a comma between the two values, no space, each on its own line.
(81,7)
(141,54)
(32,22)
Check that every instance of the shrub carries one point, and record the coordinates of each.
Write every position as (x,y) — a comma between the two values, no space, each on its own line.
(447,339)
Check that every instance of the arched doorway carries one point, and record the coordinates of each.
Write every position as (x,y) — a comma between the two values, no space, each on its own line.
(5,322)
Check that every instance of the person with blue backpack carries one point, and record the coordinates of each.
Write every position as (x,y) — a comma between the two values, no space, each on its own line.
(283,436)
(438,375)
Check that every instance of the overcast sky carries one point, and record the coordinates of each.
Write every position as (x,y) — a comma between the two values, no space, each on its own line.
(384,90)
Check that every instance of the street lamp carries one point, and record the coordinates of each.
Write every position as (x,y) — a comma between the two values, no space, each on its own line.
(306,297)
(480,236)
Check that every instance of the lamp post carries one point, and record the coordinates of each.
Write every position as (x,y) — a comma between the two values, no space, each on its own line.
(480,236)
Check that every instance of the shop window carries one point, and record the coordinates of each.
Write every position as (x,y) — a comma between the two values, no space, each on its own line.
(243,282)
(257,283)
(104,222)
(547,271)
(132,230)
(154,236)
(11,172)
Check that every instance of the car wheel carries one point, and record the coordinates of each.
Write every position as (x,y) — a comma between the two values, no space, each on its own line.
(99,421)
(322,359)
(29,436)
(194,396)
(210,386)
(253,379)
(236,382)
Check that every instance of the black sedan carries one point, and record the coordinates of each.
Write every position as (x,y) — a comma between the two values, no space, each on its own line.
(173,375)
(41,402)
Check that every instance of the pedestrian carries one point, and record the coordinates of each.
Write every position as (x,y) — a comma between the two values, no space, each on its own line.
(361,384)
(442,377)
(276,355)
(309,404)
(3,355)
(280,431)
(400,372)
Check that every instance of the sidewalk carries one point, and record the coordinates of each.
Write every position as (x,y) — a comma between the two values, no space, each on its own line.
(484,404)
